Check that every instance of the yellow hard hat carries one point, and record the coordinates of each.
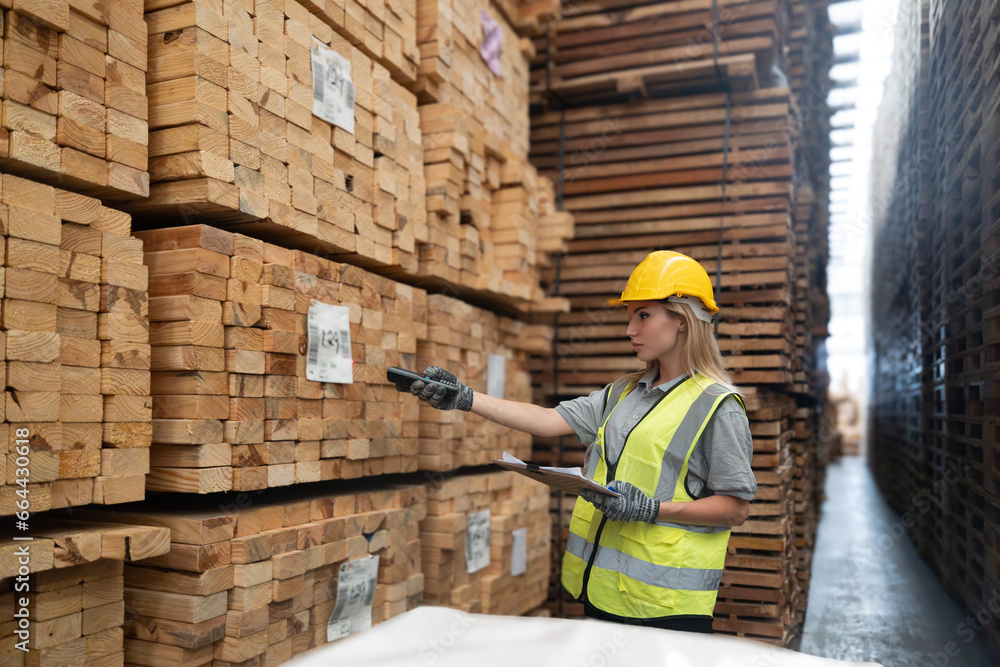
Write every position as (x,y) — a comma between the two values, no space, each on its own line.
(669,275)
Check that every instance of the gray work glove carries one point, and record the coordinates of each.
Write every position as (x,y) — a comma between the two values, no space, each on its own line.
(632,505)
(439,397)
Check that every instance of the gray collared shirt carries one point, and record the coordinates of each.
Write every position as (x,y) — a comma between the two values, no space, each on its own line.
(720,463)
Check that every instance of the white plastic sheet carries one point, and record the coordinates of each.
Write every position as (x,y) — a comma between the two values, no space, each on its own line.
(448,638)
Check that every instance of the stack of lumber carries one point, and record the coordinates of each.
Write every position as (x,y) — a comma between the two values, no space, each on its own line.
(653,159)
(936,196)
(656,184)
(384,31)
(816,443)
(554,227)
(74,95)
(759,594)
(76,350)
(515,580)
(233,407)
(234,139)
(481,193)
(484,114)
(530,17)
(254,579)
(600,50)
(75,600)
(472,343)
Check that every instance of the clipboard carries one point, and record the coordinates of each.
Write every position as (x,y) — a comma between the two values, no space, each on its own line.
(567,480)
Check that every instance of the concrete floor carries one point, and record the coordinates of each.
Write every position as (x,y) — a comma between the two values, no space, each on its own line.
(871,596)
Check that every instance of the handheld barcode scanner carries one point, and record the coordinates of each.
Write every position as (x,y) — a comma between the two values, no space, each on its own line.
(401,376)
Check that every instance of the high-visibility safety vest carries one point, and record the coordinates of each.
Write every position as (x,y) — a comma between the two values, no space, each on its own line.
(639,569)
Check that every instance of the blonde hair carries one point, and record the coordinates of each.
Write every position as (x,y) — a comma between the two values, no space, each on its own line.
(701,353)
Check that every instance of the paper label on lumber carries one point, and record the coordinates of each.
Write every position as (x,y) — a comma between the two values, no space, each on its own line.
(492,43)
(477,541)
(329,355)
(496,375)
(333,90)
(355,593)
(519,553)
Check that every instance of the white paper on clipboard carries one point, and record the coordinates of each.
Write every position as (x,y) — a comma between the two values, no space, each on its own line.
(567,480)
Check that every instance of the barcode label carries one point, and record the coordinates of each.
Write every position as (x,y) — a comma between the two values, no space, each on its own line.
(319,77)
(328,352)
(352,611)
(333,89)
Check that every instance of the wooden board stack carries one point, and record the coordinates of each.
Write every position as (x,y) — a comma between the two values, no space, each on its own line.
(481,193)
(384,31)
(656,184)
(76,603)
(530,17)
(253,581)
(234,138)
(232,406)
(519,534)
(77,354)
(689,174)
(759,592)
(463,339)
(600,50)
(74,95)
(555,227)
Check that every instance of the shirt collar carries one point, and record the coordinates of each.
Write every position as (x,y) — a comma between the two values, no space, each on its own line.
(646,381)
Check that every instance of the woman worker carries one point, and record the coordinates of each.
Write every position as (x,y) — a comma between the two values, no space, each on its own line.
(673,441)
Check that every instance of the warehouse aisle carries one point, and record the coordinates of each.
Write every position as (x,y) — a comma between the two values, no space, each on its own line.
(872,597)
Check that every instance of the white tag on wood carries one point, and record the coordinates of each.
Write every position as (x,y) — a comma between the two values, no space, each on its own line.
(355,593)
(496,375)
(519,552)
(477,541)
(328,357)
(333,90)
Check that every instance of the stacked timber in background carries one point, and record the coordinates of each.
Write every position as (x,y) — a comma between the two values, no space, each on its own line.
(74,95)
(529,17)
(76,604)
(936,197)
(258,581)
(657,155)
(472,343)
(232,406)
(481,192)
(234,138)
(515,580)
(599,50)
(809,60)
(76,334)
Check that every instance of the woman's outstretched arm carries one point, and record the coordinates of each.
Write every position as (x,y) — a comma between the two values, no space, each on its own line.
(533,419)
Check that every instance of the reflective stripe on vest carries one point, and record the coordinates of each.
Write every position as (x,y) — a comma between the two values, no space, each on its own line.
(650,570)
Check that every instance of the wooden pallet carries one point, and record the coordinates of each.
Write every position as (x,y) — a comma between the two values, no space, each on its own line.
(233,407)
(76,350)
(249,579)
(74,95)
(515,503)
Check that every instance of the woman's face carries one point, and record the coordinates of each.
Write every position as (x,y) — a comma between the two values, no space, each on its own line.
(653,330)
